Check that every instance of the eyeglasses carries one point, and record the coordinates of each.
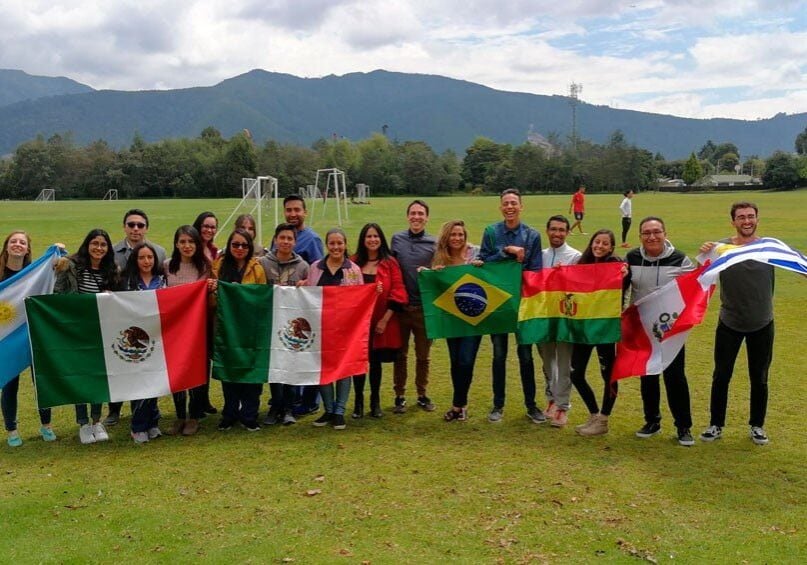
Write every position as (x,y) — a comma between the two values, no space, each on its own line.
(654,233)
(237,245)
(132,225)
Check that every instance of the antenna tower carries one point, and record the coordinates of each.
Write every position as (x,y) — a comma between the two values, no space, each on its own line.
(574,99)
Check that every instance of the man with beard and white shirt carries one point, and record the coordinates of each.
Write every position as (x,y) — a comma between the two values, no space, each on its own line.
(557,356)
(746,313)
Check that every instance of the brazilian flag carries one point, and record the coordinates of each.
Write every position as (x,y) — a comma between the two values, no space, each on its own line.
(465,300)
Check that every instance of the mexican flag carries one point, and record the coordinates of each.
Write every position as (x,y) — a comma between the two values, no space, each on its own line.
(575,304)
(655,328)
(464,300)
(118,346)
(282,334)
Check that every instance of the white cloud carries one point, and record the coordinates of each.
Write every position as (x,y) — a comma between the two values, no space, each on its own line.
(751,48)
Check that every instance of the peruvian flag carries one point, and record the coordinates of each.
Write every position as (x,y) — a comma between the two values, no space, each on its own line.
(655,328)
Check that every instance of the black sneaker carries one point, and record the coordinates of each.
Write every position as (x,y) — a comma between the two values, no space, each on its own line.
(758,435)
(712,433)
(400,405)
(272,418)
(252,426)
(323,420)
(649,430)
(338,422)
(225,424)
(211,410)
(426,403)
(685,437)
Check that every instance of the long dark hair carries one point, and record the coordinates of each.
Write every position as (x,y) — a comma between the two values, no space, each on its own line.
(362,256)
(109,271)
(229,271)
(26,260)
(588,254)
(130,277)
(199,259)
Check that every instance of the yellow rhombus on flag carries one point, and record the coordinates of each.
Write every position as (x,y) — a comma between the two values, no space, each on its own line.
(461,300)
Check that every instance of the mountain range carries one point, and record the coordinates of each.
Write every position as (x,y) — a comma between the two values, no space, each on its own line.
(446,113)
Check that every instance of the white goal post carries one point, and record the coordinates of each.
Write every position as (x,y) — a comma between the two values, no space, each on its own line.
(46,195)
(111,194)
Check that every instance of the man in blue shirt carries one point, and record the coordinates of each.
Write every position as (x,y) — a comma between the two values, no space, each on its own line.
(309,244)
(504,241)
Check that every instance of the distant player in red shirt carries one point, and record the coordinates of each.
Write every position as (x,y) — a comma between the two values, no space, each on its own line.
(578,205)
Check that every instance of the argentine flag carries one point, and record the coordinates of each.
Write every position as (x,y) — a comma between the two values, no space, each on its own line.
(765,250)
(36,278)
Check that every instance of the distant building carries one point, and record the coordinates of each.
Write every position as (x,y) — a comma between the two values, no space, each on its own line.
(727,181)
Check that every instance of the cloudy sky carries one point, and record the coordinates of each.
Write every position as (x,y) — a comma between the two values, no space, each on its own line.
(720,58)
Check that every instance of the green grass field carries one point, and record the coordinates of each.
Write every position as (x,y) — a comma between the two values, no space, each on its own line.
(412,488)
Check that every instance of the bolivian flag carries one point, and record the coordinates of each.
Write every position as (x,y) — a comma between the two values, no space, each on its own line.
(576,304)
(465,300)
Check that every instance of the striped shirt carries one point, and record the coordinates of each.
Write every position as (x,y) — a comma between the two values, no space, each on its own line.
(91,281)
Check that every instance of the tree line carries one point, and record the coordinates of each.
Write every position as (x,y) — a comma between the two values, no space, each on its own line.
(211,166)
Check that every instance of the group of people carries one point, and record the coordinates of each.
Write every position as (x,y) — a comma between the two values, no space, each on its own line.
(296,257)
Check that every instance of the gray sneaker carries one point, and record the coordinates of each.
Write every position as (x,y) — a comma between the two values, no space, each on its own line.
(272,418)
(758,435)
(536,415)
(112,419)
(496,414)
(712,433)
(400,405)
(289,419)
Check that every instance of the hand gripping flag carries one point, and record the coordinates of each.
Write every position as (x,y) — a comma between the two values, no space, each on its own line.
(36,278)
(464,300)
(575,304)
(655,328)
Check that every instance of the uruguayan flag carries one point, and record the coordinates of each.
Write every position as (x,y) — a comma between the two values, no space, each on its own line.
(765,250)
(36,278)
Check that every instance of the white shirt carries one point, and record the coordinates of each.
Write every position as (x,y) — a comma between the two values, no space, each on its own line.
(626,207)
(564,254)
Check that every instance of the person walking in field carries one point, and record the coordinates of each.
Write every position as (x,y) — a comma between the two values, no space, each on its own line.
(746,313)
(578,207)
(626,209)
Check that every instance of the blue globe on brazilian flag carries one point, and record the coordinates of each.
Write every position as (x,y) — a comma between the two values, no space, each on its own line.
(466,300)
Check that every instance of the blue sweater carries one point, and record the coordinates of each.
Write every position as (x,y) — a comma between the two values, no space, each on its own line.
(498,236)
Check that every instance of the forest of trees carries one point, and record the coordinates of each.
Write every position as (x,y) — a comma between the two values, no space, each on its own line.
(211,166)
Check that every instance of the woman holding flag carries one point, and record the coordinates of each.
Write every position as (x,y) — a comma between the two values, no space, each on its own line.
(188,263)
(379,267)
(238,265)
(15,256)
(90,270)
(600,249)
(453,249)
(144,272)
(335,270)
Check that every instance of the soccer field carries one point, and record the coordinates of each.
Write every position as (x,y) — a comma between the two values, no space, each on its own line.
(411,487)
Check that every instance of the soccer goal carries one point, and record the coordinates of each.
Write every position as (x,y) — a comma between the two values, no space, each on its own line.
(46,195)
(254,192)
(334,183)
(111,194)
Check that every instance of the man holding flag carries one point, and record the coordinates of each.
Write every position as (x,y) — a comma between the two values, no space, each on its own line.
(746,313)
(652,265)
(507,240)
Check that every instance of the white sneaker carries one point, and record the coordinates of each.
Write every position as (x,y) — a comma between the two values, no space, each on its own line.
(85,434)
(140,437)
(99,431)
(758,435)
(154,432)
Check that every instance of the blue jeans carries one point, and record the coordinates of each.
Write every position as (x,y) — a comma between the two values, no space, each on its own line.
(335,403)
(8,400)
(81,413)
(526,368)
(462,354)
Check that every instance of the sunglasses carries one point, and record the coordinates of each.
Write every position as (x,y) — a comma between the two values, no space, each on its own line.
(139,225)
(236,245)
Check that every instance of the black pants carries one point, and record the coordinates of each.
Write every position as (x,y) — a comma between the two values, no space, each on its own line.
(193,408)
(282,397)
(675,381)
(606,354)
(241,402)
(759,348)
(625,228)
